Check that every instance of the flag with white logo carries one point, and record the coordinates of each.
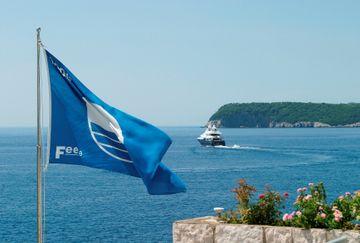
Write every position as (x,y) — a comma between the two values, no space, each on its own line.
(86,131)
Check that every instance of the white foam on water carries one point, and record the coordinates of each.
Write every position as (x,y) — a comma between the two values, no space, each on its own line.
(235,146)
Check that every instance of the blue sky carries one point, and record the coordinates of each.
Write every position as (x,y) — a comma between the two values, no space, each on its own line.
(177,62)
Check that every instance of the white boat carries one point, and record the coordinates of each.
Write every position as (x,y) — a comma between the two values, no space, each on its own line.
(211,137)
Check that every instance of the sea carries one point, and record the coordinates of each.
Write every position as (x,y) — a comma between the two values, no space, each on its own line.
(90,205)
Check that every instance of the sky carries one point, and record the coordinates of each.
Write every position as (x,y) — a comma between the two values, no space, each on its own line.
(174,63)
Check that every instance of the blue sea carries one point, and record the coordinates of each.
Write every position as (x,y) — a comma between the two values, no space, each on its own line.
(90,205)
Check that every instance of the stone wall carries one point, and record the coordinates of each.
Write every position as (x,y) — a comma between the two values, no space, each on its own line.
(210,230)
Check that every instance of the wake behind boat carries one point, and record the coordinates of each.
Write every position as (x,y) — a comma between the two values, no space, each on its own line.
(211,137)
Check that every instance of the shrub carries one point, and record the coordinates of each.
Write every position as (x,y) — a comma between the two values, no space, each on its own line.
(266,210)
(310,209)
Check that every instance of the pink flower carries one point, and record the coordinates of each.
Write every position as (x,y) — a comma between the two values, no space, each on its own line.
(299,190)
(321,208)
(323,215)
(347,193)
(311,184)
(298,213)
(261,196)
(337,215)
(286,194)
(287,217)
(341,198)
(307,197)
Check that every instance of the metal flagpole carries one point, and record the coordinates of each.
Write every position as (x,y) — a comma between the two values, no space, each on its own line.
(39,138)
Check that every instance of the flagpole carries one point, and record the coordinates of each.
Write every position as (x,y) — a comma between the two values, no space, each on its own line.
(39,138)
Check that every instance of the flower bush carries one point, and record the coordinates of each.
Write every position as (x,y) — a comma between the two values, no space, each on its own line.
(310,209)
(266,210)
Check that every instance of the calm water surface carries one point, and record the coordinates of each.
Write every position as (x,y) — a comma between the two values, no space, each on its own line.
(90,205)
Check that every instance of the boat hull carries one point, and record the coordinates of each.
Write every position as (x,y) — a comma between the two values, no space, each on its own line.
(204,142)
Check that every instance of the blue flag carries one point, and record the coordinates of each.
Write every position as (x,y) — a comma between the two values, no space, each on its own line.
(87,131)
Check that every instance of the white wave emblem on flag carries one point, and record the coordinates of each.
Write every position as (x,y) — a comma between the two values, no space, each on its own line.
(106,132)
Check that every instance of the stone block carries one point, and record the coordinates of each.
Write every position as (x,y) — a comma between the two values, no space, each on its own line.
(308,235)
(352,236)
(198,230)
(225,233)
(278,234)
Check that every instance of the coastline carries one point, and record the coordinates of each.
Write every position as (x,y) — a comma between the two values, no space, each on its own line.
(300,124)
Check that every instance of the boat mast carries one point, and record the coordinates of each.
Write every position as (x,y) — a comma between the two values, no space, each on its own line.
(39,138)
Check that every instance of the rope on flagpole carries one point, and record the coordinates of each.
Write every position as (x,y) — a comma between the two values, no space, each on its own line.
(44,154)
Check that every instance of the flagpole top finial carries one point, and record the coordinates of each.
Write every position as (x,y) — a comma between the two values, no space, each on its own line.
(38,29)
